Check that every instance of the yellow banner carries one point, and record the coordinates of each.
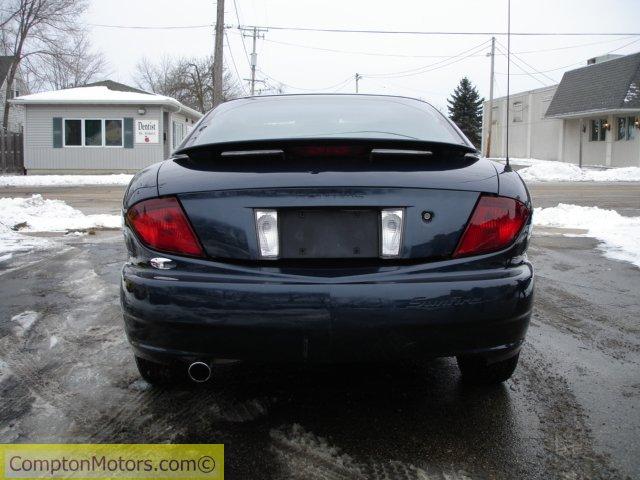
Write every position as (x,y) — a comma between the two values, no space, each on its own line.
(103,461)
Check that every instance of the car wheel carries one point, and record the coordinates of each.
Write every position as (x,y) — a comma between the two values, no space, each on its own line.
(158,374)
(478,371)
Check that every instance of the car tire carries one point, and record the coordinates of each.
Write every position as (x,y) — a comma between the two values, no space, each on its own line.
(476,370)
(158,374)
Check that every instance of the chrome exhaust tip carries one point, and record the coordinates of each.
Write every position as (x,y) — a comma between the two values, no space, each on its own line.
(199,372)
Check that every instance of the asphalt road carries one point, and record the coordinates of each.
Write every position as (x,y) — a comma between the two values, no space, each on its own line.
(571,411)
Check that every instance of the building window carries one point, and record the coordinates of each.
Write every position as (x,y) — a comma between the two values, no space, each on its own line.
(598,132)
(178,134)
(517,112)
(93,132)
(625,128)
(73,133)
(113,133)
(621,123)
(631,128)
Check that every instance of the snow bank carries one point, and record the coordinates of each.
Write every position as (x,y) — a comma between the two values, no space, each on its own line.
(567,172)
(35,214)
(551,171)
(619,235)
(63,180)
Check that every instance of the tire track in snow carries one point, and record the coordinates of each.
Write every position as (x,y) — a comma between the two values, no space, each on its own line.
(304,455)
(568,440)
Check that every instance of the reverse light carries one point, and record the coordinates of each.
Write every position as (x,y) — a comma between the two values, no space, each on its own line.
(494,225)
(267,228)
(391,223)
(162,225)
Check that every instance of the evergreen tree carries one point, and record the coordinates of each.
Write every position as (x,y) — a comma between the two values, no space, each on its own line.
(465,109)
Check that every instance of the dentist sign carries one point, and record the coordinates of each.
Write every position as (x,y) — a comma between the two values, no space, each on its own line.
(147,131)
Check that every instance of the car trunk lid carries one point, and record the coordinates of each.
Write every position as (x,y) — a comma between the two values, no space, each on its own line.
(328,202)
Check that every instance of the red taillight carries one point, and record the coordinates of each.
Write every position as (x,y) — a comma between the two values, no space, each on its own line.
(494,225)
(162,225)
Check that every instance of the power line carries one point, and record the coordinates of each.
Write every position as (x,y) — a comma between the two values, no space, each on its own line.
(337,85)
(623,46)
(573,64)
(404,87)
(418,32)
(433,66)
(529,65)
(540,72)
(351,52)
(572,46)
(522,69)
(376,32)
(524,72)
(233,61)
(235,8)
(244,46)
(152,27)
(400,55)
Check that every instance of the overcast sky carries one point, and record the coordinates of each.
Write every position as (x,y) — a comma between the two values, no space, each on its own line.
(394,64)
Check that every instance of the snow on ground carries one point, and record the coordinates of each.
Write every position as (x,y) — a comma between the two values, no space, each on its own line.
(619,235)
(526,162)
(35,214)
(567,172)
(63,180)
(552,171)
(632,93)
(13,242)
(24,321)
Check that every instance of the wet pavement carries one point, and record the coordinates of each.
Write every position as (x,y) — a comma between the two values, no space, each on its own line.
(571,411)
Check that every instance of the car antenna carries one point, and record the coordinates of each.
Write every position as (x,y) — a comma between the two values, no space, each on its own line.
(507,167)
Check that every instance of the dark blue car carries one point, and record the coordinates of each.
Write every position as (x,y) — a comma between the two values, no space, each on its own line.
(326,228)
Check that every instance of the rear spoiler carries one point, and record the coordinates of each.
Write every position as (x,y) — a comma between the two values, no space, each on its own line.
(328,149)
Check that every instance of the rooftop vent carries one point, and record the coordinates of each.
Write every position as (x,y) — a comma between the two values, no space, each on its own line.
(603,58)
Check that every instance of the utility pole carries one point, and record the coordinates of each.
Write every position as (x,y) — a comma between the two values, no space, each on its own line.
(358,77)
(218,54)
(255,33)
(490,115)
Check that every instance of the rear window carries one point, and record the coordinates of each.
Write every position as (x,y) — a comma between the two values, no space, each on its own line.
(322,116)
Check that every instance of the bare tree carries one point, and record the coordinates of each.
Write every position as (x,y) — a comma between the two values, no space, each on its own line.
(67,65)
(36,29)
(6,16)
(188,80)
(155,77)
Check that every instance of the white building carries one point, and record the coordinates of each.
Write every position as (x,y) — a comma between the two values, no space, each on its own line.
(531,134)
(103,127)
(591,118)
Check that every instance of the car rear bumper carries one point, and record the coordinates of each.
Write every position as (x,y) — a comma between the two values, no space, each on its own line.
(250,314)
